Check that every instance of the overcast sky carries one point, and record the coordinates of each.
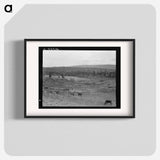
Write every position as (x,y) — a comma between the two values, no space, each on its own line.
(55,58)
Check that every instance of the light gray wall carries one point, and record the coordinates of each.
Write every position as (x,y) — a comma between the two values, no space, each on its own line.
(81,136)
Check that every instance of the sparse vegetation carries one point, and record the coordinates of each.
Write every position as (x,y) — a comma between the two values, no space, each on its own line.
(79,86)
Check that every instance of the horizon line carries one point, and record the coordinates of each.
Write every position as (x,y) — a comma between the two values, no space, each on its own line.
(82,65)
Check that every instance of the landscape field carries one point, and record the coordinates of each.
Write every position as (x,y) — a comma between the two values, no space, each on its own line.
(83,85)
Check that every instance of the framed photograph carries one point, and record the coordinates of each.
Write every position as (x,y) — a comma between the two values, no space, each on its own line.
(79,78)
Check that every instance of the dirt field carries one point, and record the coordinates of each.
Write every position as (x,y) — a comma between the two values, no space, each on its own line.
(70,90)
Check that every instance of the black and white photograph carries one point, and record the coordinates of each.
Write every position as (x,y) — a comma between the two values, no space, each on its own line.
(79,77)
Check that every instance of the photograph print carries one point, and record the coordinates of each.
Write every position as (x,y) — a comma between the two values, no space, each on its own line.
(79,77)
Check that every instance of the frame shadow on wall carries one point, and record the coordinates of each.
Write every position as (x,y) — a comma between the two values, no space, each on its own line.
(18,79)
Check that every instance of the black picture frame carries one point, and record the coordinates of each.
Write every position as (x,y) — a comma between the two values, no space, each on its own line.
(117,48)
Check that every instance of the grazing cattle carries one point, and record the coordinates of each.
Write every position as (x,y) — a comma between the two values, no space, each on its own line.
(79,94)
(57,92)
(108,102)
(75,93)
(50,74)
(62,76)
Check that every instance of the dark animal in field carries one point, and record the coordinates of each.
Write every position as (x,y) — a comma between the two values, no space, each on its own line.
(79,94)
(110,87)
(75,93)
(62,76)
(57,92)
(50,74)
(45,87)
(108,102)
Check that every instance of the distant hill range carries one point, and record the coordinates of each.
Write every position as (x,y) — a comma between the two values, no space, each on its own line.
(108,66)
